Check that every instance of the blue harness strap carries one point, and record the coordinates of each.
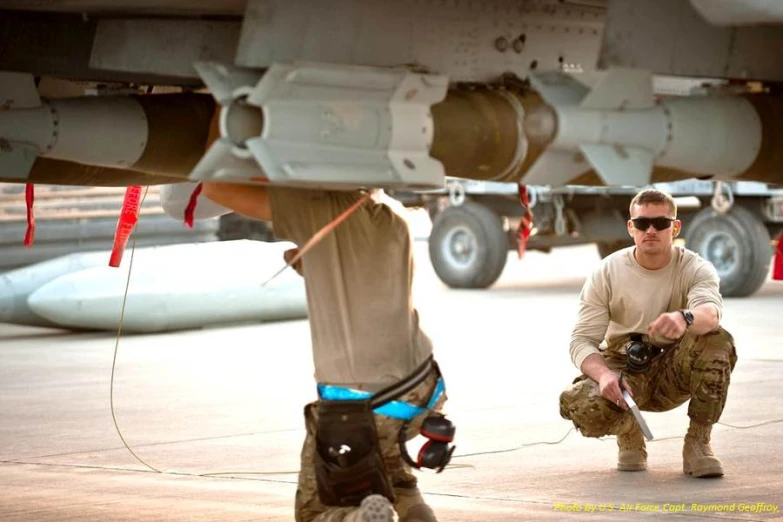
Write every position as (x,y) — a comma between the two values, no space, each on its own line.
(395,409)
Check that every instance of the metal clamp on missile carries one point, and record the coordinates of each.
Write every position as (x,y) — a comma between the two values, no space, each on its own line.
(324,126)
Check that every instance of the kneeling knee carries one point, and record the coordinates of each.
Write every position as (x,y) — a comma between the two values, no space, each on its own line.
(589,415)
(717,346)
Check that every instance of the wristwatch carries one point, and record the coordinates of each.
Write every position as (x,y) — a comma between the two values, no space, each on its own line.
(688,316)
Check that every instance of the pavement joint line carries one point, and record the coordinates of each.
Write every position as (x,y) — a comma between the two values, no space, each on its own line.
(488,452)
(430,493)
(604,439)
(195,475)
(223,474)
(219,475)
(163,443)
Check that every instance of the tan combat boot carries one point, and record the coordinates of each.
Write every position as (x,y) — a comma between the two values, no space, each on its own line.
(698,459)
(632,455)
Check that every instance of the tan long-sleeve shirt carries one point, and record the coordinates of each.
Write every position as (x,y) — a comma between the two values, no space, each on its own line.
(621,297)
(365,330)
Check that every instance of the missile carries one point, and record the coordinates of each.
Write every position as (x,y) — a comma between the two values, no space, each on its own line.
(323,126)
(177,287)
(317,126)
(100,140)
(620,130)
(18,285)
(346,127)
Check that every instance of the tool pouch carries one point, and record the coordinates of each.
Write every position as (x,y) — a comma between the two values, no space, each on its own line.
(348,462)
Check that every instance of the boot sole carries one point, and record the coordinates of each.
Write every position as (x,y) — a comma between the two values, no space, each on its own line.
(705,472)
(631,467)
(376,508)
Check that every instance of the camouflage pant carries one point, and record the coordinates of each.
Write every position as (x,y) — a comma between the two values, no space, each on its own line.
(698,368)
(409,504)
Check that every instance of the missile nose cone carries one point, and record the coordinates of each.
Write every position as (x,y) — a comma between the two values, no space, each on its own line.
(49,298)
(540,124)
(17,285)
(62,298)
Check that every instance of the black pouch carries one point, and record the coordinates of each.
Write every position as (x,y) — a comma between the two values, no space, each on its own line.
(348,462)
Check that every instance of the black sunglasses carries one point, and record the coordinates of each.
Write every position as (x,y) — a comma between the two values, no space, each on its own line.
(659,223)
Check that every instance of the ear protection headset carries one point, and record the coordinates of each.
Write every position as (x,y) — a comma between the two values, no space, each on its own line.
(436,452)
(640,354)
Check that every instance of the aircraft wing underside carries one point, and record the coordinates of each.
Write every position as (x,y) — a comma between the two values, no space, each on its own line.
(350,93)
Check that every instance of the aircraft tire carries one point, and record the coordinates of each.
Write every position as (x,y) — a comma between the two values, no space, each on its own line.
(468,246)
(737,244)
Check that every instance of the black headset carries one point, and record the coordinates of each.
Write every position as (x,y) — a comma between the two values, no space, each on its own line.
(436,452)
(639,354)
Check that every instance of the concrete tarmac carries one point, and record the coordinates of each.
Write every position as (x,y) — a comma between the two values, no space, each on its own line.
(217,413)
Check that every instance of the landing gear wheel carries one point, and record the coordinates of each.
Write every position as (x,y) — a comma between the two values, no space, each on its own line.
(737,244)
(468,246)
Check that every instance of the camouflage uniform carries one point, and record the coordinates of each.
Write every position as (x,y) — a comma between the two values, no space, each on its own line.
(409,504)
(697,368)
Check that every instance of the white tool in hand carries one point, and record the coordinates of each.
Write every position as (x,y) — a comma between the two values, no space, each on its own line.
(637,415)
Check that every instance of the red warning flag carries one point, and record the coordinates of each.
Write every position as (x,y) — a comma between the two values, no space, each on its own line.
(129,216)
(526,224)
(777,270)
(29,197)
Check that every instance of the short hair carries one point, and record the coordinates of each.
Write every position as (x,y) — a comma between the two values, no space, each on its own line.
(653,196)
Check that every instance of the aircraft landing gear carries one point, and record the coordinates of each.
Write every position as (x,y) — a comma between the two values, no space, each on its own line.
(468,246)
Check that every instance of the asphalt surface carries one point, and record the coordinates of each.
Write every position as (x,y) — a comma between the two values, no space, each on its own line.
(217,413)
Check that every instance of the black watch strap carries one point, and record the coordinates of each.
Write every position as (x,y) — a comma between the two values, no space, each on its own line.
(688,316)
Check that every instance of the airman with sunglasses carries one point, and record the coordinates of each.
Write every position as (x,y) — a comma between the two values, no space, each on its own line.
(667,298)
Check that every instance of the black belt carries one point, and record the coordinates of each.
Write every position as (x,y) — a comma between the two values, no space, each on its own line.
(400,388)
(385,401)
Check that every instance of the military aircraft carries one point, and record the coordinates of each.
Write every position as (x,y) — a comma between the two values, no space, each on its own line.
(387,93)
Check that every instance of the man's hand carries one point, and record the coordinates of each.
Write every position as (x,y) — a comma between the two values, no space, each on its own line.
(594,366)
(609,385)
(670,326)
